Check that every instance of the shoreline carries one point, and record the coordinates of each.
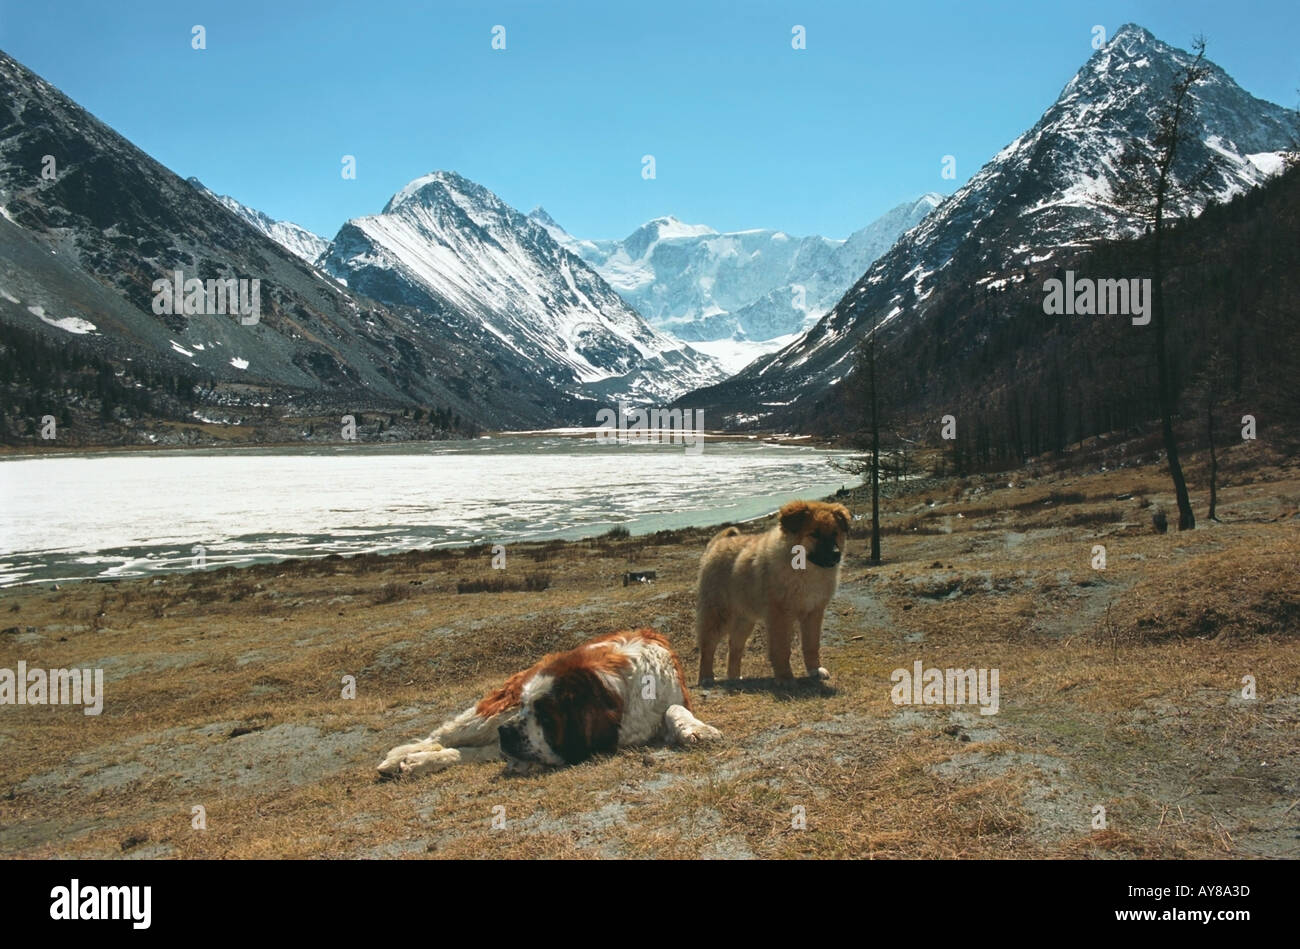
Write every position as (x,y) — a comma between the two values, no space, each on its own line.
(291,561)
(100,553)
(36,450)
(296,560)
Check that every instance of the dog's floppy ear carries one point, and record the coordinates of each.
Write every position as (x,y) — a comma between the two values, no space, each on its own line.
(842,516)
(794,517)
(580,717)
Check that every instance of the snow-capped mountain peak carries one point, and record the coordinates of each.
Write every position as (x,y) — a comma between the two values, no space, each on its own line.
(542,219)
(741,294)
(539,215)
(1053,187)
(669,227)
(445,241)
(294,238)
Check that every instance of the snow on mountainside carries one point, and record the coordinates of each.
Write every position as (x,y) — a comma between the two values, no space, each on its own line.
(80,252)
(741,294)
(445,241)
(1049,189)
(294,238)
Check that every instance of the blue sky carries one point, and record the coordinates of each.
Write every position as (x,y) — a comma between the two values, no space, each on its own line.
(746,132)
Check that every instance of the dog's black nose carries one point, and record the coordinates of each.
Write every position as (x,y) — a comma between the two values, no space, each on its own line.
(825,556)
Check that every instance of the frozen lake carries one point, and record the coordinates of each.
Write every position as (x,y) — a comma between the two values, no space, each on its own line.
(132,513)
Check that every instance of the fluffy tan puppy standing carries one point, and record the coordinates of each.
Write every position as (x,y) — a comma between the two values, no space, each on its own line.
(748,577)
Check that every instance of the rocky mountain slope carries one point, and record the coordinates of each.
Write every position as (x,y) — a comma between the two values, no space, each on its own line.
(444,242)
(294,238)
(1051,189)
(82,247)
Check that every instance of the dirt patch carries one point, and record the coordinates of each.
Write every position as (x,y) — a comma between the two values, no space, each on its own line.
(1122,688)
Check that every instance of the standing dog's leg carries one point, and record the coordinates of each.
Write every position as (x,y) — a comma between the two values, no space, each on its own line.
(741,627)
(708,631)
(780,630)
(810,636)
(683,728)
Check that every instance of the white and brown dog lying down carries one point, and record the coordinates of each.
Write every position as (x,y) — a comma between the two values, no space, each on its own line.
(620,689)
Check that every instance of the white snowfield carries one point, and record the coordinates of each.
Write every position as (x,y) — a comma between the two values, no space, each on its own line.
(735,354)
(69,324)
(741,294)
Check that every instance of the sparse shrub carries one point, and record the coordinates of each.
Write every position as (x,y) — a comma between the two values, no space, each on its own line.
(914,524)
(1068,497)
(486,585)
(618,532)
(242,589)
(536,581)
(665,537)
(532,582)
(1159,521)
(1053,498)
(392,592)
(1093,518)
(548,550)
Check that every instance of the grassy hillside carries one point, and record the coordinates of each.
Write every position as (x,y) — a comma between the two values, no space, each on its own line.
(1120,688)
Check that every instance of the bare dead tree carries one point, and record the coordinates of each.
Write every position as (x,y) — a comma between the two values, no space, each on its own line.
(1211,395)
(866,375)
(1147,187)
(1213,386)
(867,362)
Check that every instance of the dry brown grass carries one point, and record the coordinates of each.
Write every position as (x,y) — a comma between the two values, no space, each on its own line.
(532,582)
(1219,596)
(224,690)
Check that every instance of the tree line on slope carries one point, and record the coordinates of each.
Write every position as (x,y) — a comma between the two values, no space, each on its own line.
(1019,383)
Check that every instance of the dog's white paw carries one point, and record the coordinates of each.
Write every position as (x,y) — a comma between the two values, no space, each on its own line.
(427,762)
(391,765)
(821,674)
(697,732)
(685,729)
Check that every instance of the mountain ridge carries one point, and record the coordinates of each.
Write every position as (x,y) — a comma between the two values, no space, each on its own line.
(82,251)
(1048,189)
(444,240)
(296,239)
(754,287)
